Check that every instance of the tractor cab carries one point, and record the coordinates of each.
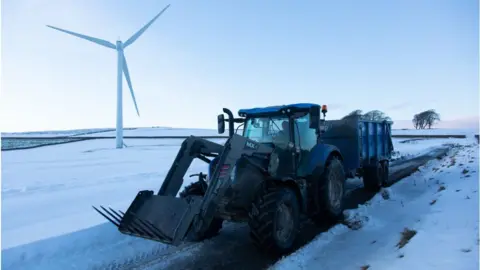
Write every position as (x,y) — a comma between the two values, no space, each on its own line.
(292,130)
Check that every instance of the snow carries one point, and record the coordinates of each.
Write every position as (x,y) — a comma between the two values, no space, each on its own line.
(469,132)
(54,188)
(56,185)
(110,132)
(409,148)
(54,133)
(445,220)
(47,193)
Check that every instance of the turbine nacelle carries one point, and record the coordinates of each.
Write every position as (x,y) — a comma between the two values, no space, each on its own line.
(119,44)
(121,66)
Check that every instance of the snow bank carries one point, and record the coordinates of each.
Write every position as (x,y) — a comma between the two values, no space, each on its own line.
(439,203)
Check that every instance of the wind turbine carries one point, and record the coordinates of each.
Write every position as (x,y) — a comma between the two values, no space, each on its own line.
(122,68)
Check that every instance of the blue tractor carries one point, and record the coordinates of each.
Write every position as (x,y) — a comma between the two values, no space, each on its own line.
(289,164)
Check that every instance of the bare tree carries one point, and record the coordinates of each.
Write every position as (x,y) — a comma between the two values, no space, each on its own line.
(374,115)
(417,122)
(353,114)
(425,119)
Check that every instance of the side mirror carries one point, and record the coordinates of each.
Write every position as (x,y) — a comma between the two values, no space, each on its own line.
(314,117)
(221,123)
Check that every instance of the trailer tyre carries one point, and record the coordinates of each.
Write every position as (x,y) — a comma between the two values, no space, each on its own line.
(386,173)
(275,219)
(198,189)
(374,177)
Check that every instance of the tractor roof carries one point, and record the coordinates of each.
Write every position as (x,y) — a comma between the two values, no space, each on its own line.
(275,109)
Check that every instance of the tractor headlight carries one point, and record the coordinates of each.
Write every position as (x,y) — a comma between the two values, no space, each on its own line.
(273,163)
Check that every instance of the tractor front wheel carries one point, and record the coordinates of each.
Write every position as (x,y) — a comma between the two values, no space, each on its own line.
(330,190)
(275,219)
(198,189)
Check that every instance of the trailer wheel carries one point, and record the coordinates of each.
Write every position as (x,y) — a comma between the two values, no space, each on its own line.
(331,192)
(386,173)
(275,219)
(374,177)
(198,189)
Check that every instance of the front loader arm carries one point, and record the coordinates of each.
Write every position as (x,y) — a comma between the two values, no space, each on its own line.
(168,219)
(193,147)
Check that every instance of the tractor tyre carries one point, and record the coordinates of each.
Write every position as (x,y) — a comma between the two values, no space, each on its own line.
(275,219)
(330,192)
(198,189)
(373,177)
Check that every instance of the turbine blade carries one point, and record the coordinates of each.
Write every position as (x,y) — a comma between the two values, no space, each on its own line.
(92,39)
(143,29)
(127,77)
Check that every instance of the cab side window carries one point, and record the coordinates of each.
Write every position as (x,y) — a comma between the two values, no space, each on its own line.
(305,137)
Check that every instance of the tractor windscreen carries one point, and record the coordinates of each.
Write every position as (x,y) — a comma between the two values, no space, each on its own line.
(267,129)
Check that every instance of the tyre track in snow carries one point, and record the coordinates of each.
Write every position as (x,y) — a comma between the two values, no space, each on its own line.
(233,249)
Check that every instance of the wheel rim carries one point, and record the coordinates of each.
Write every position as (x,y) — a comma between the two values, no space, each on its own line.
(335,190)
(285,223)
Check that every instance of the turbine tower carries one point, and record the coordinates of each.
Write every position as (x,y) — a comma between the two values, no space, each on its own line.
(122,68)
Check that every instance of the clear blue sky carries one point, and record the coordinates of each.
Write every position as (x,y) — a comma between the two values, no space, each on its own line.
(400,56)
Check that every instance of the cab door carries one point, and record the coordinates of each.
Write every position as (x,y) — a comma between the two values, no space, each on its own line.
(305,139)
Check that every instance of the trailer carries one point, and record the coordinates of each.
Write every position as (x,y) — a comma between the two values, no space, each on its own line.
(364,144)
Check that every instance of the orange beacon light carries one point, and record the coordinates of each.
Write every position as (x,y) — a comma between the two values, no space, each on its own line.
(324,109)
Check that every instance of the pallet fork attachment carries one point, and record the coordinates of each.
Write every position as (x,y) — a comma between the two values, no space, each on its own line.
(164,217)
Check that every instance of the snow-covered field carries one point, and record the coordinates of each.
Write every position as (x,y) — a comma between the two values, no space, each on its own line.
(56,132)
(163,131)
(56,185)
(153,131)
(429,220)
(469,132)
(47,193)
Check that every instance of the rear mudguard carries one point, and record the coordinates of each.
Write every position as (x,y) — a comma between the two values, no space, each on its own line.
(319,156)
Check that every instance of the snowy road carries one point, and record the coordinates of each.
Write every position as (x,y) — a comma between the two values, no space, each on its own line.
(48,222)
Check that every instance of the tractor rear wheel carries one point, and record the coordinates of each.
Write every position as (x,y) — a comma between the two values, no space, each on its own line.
(275,219)
(330,191)
(198,189)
